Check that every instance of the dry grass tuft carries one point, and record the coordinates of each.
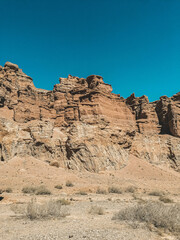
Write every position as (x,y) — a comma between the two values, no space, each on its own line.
(63,201)
(18,208)
(58,186)
(69,184)
(131,189)
(96,210)
(38,211)
(82,193)
(101,191)
(28,189)
(40,190)
(8,190)
(165,199)
(114,189)
(156,193)
(34,210)
(156,213)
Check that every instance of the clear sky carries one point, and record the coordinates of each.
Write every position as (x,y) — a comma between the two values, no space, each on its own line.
(133,44)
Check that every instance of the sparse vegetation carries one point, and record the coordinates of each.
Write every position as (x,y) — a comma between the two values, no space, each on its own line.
(8,190)
(63,201)
(69,184)
(114,189)
(156,213)
(18,208)
(131,189)
(165,199)
(28,189)
(96,210)
(138,198)
(40,190)
(34,210)
(82,193)
(52,208)
(101,191)
(156,193)
(58,186)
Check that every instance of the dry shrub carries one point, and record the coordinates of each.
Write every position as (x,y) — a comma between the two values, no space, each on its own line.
(114,189)
(165,199)
(96,210)
(101,191)
(28,189)
(156,213)
(63,201)
(8,190)
(82,193)
(131,189)
(18,208)
(156,193)
(69,184)
(42,190)
(50,209)
(58,186)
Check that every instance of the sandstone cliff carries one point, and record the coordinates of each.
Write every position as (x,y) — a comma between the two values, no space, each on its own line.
(81,124)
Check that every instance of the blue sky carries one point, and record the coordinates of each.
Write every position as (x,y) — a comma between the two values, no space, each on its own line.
(133,44)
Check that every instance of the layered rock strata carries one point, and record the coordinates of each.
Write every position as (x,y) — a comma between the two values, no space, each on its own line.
(82,125)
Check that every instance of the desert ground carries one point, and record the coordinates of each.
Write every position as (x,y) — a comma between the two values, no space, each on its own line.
(88,203)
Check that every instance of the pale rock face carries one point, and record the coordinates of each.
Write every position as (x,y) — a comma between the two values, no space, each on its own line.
(82,125)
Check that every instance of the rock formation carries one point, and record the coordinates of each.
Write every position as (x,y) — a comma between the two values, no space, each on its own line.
(81,124)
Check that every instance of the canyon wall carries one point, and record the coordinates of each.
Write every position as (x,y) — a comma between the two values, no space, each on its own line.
(82,125)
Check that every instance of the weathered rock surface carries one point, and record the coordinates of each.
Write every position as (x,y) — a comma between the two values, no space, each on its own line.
(81,124)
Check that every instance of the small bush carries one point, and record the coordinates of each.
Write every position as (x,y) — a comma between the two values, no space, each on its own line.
(63,201)
(101,191)
(156,213)
(49,209)
(82,193)
(28,189)
(8,190)
(131,189)
(42,190)
(58,186)
(18,208)
(96,210)
(156,193)
(165,199)
(114,190)
(69,184)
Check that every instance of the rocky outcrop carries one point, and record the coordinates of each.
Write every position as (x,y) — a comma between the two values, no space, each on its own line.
(81,124)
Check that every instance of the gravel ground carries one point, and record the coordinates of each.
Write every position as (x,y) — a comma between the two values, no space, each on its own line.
(79,225)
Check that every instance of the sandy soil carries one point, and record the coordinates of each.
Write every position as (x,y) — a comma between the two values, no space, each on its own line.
(80,224)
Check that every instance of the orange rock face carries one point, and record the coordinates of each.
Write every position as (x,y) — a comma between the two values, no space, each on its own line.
(81,124)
